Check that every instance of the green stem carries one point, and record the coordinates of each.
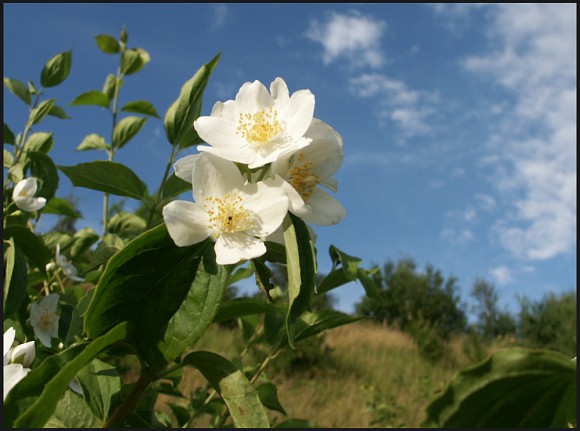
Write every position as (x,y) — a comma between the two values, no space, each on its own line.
(161,186)
(146,378)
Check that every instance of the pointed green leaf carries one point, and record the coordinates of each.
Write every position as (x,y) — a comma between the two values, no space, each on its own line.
(269,397)
(198,310)
(56,70)
(8,135)
(18,89)
(124,35)
(174,186)
(240,396)
(31,245)
(186,109)
(301,271)
(126,224)
(513,388)
(107,44)
(42,167)
(150,277)
(61,206)
(110,84)
(126,129)
(93,142)
(310,324)
(239,307)
(72,412)
(101,386)
(58,112)
(32,402)
(15,278)
(41,111)
(40,141)
(108,177)
(141,107)
(133,60)
(349,263)
(8,159)
(93,97)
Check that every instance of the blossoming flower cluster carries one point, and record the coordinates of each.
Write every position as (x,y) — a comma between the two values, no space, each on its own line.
(16,360)
(266,155)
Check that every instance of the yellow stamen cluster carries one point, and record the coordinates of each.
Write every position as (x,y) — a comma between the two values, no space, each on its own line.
(302,179)
(47,320)
(227,214)
(261,127)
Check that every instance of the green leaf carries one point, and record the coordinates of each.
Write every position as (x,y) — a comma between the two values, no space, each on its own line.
(150,277)
(8,135)
(93,142)
(124,35)
(240,396)
(101,387)
(110,84)
(310,324)
(126,224)
(349,263)
(56,70)
(141,107)
(108,177)
(18,89)
(8,159)
(174,186)
(15,278)
(94,97)
(126,129)
(32,246)
(514,388)
(32,402)
(58,112)
(41,111)
(43,167)
(61,206)
(239,307)
(81,241)
(269,397)
(186,109)
(198,310)
(75,328)
(107,44)
(275,252)
(72,412)
(301,271)
(133,60)
(40,141)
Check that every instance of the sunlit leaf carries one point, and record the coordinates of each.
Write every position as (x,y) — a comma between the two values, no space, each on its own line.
(56,69)
(108,177)
(126,224)
(141,107)
(93,142)
(126,129)
(58,112)
(101,386)
(72,412)
(18,89)
(174,186)
(513,388)
(107,44)
(41,111)
(40,141)
(239,307)
(133,60)
(240,396)
(110,84)
(15,278)
(94,97)
(61,206)
(8,159)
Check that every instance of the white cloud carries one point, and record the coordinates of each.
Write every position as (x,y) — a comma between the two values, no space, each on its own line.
(502,275)
(534,152)
(220,15)
(352,36)
(457,236)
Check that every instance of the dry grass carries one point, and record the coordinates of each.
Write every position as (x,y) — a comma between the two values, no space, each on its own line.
(374,377)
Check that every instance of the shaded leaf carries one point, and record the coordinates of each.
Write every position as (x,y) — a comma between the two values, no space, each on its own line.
(31,245)
(239,307)
(18,89)
(174,186)
(126,129)
(141,107)
(240,396)
(93,142)
(133,60)
(8,159)
(72,412)
(108,177)
(61,206)
(42,167)
(101,384)
(107,44)
(15,278)
(41,111)
(269,397)
(58,112)
(513,388)
(8,136)
(126,224)
(56,69)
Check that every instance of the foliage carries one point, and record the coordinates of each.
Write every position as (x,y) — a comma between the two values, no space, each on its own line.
(492,322)
(550,322)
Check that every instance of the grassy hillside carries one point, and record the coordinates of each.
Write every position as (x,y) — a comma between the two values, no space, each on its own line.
(363,375)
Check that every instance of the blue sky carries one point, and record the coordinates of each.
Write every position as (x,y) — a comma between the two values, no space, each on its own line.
(459,121)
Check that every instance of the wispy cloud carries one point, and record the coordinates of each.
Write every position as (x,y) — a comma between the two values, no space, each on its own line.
(220,14)
(502,275)
(536,150)
(353,37)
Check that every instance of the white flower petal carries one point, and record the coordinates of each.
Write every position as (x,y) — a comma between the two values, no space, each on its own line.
(43,334)
(50,303)
(9,336)
(268,203)
(253,97)
(184,168)
(279,92)
(13,373)
(23,354)
(231,248)
(218,132)
(324,209)
(224,109)
(215,177)
(187,222)
(23,195)
(75,386)
(298,113)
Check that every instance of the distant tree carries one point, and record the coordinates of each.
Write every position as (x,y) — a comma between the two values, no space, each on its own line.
(550,323)
(492,322)
(412,298)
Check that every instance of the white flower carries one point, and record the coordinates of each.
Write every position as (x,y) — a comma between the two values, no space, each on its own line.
(23,195)
(237,214)
(309,168)
(67,268)
(14,372)
(44,319)
(258,127)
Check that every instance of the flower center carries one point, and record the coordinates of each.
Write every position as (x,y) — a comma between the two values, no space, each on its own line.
(302,179)
(227,214)
(47,320)
(259,128)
